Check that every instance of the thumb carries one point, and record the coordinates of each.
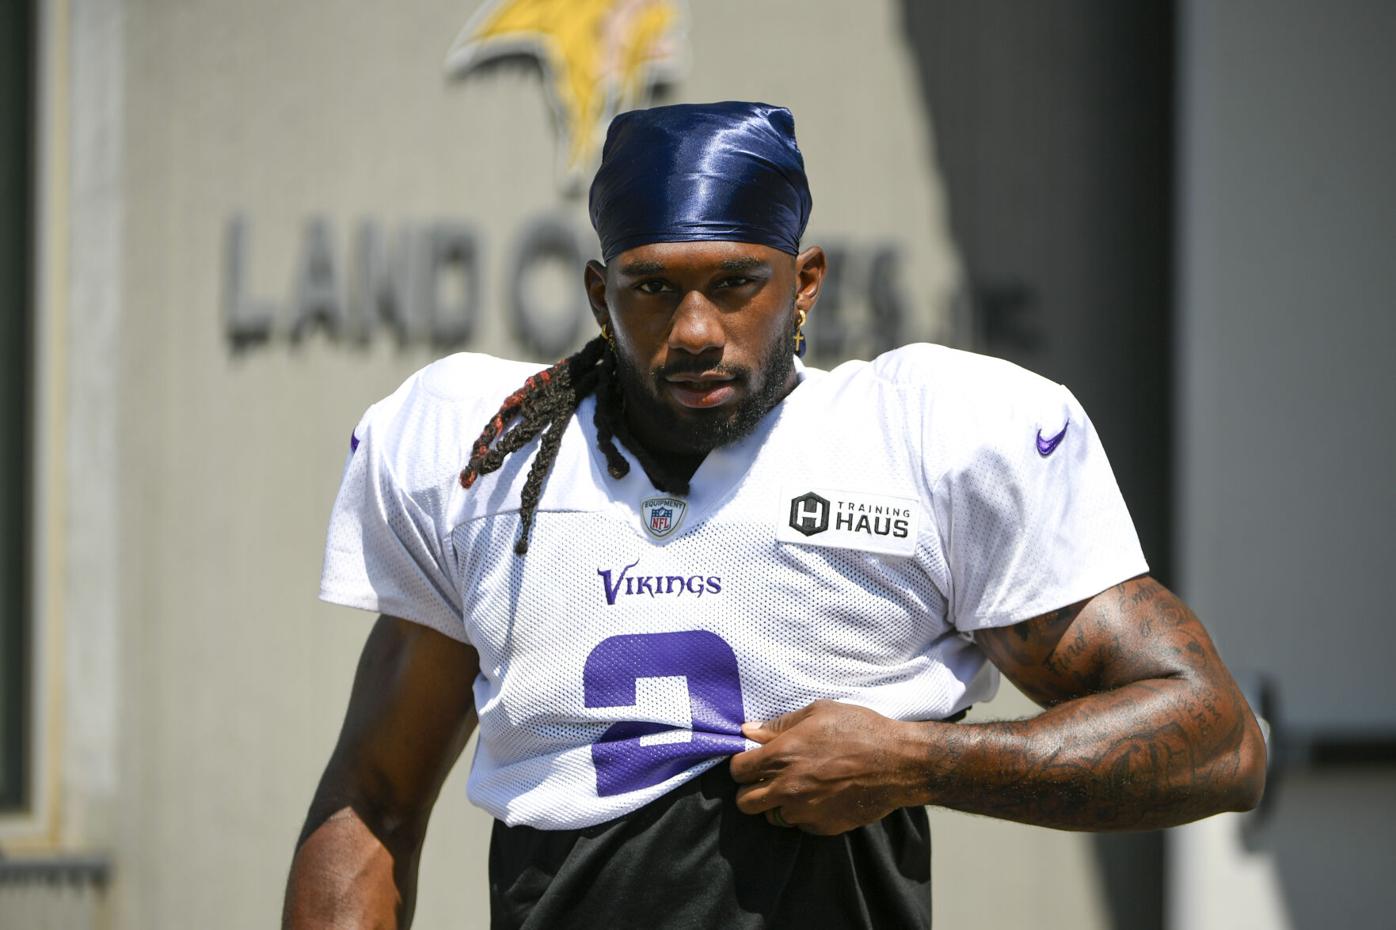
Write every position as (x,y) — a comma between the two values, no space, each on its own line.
(767,730)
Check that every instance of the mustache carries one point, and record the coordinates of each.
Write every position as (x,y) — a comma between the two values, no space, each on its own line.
(696,366)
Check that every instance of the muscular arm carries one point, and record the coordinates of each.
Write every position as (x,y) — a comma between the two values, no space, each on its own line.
(410,713)
(1143,728)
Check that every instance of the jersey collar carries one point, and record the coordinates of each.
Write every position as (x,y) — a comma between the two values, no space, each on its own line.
(716,480)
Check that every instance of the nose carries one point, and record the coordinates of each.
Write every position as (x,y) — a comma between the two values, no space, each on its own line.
(697,325)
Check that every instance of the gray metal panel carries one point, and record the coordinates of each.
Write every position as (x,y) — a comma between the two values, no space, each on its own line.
(1286,455)
(1287,447)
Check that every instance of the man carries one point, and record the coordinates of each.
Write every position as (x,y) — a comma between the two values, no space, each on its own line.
(715,612)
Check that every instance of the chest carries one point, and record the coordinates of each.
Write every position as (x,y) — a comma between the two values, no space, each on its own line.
(728,614)
(804,556)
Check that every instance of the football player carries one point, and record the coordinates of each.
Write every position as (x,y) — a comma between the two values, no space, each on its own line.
(715,614)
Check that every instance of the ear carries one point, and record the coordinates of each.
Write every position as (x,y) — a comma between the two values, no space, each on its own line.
(595,280)
(810,266)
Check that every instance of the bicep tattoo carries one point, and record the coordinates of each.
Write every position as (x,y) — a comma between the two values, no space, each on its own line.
(1131,632)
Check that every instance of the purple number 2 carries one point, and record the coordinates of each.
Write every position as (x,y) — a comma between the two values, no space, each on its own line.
(714,697)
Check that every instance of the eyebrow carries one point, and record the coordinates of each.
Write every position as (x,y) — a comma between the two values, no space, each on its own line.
(639,268)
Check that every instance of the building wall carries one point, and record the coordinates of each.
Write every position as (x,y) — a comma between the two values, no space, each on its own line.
(281,113)
(1286,450)
(192,685)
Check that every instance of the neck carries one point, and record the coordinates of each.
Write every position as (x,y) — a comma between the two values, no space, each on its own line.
(670,468)
(678,464)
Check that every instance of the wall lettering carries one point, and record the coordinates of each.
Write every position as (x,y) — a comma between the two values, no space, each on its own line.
(425,283)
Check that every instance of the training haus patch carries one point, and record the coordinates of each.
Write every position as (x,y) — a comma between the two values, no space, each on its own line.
(848,520)
(662,515)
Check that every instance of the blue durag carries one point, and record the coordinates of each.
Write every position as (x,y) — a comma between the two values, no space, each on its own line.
(726,172)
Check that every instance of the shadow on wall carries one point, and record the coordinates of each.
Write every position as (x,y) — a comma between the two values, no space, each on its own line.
(1054,138)
(1333,841)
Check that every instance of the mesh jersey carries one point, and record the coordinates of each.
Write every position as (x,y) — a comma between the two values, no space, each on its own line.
(847,549)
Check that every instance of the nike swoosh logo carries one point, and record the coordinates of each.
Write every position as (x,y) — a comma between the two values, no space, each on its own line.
(1046,447)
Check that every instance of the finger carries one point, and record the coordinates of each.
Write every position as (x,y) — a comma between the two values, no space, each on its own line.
(770,728)
(749,767)
(776,819)
(755,799)
(758,733)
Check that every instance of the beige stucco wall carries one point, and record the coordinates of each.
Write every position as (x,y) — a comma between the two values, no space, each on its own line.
(200,684)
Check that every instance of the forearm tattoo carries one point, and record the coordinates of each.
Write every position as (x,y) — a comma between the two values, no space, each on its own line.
(1144,727)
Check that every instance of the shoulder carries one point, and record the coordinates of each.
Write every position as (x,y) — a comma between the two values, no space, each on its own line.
(949,385)
(455,384)
(465,379)
(421,429)
(967,407)
(960,377)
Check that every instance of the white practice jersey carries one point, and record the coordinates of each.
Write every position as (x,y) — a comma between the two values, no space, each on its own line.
(847,549)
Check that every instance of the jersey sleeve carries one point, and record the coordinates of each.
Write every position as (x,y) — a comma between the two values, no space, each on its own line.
(388,547)
(1029,513)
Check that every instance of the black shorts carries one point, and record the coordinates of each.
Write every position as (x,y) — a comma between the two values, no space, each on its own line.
(691,859)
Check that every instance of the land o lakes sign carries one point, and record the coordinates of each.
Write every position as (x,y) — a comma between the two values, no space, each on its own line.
(425,284)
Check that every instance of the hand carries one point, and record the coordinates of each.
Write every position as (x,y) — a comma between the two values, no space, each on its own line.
(826,768)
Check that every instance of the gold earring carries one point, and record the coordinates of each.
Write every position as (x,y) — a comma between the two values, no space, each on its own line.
(608,335)
(800,332)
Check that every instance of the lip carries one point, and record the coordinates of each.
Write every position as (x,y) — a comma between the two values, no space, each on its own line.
(701,393)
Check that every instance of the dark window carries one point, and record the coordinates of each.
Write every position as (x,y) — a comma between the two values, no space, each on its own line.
(16,140)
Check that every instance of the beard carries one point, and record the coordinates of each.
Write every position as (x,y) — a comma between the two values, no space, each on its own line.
(700,431)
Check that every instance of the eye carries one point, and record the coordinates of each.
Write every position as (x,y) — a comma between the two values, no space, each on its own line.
(736,280)
(653,286)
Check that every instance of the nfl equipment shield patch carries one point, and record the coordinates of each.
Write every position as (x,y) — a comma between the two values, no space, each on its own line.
(662,515)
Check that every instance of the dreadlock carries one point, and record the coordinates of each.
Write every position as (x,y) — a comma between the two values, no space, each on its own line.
(544,404)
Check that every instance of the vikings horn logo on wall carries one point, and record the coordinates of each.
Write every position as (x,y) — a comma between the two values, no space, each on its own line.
(599,57)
